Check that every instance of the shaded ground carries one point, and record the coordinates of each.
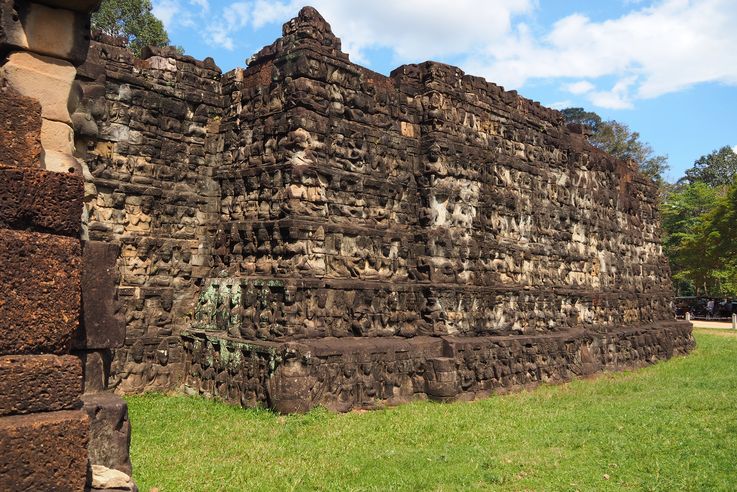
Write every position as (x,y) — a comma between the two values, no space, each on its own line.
(671,426)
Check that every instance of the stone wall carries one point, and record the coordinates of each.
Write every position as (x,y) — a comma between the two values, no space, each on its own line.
(49,436)
(150,149)
(40,254)
(306,216)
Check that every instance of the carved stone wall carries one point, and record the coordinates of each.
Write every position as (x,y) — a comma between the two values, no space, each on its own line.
(306,216)
(151,147)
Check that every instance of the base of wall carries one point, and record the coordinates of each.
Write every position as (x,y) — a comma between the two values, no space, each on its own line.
(349,373)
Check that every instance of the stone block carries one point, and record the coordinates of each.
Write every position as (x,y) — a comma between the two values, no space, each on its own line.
(48,80)
(84,6)
(56,32)
(57,137)
(109,431)
(46,451)
(39,292)
(102,326)
(39,383)
(96,367)
(109,479)
(61,162)
(20,129)
(39,200)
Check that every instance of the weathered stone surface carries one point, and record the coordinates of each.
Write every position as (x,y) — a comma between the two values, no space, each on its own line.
(306,200)
(110,431)
(96,364)
(102,327)
(348,373)
(39,292)
(45,451)
(57,141)
(39,383)
(55,32)
(104,478)
(41,201)
(20,128)
(84,6)
(150,171)
(48,80)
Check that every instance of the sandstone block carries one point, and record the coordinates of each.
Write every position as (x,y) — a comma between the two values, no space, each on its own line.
(38,200)
(56,32)
(102,326)
(20,129)
(48,80)
(109,431)
(56,136)
(61,162)
(39,292)
(39,383)
(46,451)
(96,367)
(57,140)
(104,478)
(84,6)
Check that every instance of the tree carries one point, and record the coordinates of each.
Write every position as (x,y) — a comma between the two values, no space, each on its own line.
(582,117)
(618,140)
(686,221)
(133,20)
(715,169)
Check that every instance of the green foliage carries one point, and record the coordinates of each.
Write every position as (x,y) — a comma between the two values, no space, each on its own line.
(133,20)
(715,169)
(666,427)
(620,141)
(582,117)
(700,224)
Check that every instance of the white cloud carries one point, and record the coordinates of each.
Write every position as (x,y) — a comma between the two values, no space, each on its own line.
(175,15)
(734,149)
(221,31)
(666,48)
(203,4)
(165,10)
(567,103)
(267,12)
(654,49)
(618,97)
(415,30)
(580,87)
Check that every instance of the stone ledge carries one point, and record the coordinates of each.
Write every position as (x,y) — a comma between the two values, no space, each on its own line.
(346,373)
(39,383)
(46,451)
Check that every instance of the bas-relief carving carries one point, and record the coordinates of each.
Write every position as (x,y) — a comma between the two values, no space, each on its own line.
(306,198)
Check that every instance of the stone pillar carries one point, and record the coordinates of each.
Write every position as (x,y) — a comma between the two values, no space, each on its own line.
(44,432)
(102,329)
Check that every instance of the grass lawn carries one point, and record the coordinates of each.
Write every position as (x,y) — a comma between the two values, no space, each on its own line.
(671,426)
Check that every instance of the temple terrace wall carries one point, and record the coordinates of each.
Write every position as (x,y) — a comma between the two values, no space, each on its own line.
(305,231)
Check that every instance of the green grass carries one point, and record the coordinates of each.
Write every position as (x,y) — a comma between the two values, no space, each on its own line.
(671,426)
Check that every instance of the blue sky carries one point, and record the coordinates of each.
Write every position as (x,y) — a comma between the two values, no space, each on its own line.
(667,68)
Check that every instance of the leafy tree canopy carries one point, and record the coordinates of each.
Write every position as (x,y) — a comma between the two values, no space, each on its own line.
(133,20)
(618,140)
(701,239)
(582,117)
(715,169)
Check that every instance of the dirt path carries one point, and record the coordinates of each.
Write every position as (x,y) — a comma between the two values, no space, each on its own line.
(724,325)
